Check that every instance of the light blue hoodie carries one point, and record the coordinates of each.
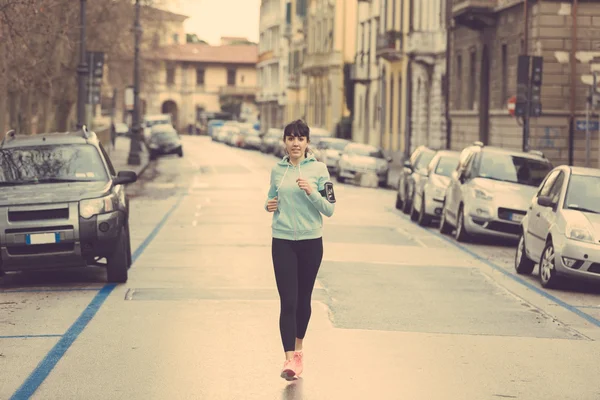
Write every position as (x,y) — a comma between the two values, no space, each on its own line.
(298,216)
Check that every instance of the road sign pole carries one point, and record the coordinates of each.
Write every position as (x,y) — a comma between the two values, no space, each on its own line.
(587,128)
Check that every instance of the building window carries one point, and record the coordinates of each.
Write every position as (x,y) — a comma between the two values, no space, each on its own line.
(231,77)
(200,76)
(459,86)
(504,89)
(170,74)
(472,80)
(391,104)
(176,38)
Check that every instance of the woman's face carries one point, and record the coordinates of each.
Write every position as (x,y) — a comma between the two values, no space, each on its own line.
(296,146)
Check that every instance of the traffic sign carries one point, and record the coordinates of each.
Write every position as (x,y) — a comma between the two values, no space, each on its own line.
(580,125)
(512,102)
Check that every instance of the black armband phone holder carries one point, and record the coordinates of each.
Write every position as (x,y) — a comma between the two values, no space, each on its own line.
(328,192)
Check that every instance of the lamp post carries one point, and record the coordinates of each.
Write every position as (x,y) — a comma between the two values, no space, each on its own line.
(135,147)
(82,70)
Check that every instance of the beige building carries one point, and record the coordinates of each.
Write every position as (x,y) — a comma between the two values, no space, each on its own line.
(365,75)
(330,45)
(294,33)
(192,78)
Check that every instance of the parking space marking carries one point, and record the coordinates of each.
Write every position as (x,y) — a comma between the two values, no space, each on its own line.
(565,305)
(48,363)
(29,336)
(51,290)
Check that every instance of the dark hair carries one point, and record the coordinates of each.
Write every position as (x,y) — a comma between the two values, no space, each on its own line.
(296,128)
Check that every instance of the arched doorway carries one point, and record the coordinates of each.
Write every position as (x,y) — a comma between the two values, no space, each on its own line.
(170,107)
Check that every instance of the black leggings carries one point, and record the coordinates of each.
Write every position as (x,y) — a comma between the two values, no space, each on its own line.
(296,265)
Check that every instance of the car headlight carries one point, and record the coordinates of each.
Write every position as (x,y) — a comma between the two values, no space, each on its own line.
(482,195)
(579,232)
(90,207)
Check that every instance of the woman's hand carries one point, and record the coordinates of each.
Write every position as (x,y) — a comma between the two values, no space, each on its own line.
(272,205)
(304,185)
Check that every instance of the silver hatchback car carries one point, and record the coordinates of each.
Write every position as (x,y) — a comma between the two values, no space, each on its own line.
(490,191)
(561,230)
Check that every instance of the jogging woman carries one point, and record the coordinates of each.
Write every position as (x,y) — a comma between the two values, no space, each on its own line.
(300,192)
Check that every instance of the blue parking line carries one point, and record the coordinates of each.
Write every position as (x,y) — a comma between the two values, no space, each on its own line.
(516,278)
(27,336)
(52,290)
(45,367)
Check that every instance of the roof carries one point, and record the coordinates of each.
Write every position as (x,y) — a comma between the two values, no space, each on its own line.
(518,153)
(45,139)
(585,171)
(167,14)
(196,52)
(445,153)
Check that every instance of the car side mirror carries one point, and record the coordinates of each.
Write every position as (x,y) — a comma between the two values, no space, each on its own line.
(125,177)
(545,201)
(408,165)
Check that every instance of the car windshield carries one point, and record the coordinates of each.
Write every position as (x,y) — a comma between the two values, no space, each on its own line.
(52,163)
(367,151)
(155,122)
(424,160)
(164,135)
(583,193)
(338,145)
(515,169)
(446,165)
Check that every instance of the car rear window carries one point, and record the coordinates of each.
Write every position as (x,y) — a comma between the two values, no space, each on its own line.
(52,162)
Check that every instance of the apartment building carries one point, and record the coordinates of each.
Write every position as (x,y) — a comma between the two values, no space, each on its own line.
(272,65)
(330,45)
(365,74)
(485,43)
(394,103)
(295,34)
(426,49)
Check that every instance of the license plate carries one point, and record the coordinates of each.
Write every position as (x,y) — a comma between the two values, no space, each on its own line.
(42,238)
(516,217)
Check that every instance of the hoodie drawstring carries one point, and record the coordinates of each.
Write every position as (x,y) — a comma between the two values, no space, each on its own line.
(282,178)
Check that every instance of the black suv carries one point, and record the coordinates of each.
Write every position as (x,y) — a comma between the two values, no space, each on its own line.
(62,205)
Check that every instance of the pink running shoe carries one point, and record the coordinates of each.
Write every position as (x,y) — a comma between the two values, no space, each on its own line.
(289,369)
(298,359)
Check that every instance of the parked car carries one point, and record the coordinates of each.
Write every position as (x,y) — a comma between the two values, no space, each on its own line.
(430,191)
(414,169)
(363,158)
(211,125)
(329,151)
(490,191)
(561,230)
(164,140)
(150,121)
(122,129)
(62,205)
(270,139)
(251,139)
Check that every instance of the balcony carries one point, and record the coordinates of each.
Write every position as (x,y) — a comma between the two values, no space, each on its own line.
(238,91)
(389,45)
(319,63)
(359,73)
(428,44)
(294,81)
(475,14)
(287,31)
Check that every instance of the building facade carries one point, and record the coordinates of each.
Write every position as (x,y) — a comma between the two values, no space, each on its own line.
(394,93)
(365,74)
(192,78)
(330,45)
(271,66)
(294,34)
(484,48)
(426,49)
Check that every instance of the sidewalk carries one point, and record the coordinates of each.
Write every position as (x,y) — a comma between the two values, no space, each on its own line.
(120,153)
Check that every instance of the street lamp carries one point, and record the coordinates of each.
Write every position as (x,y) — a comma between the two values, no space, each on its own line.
(135,147)
(82,70)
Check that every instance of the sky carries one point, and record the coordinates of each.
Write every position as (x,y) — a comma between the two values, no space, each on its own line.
(211,19)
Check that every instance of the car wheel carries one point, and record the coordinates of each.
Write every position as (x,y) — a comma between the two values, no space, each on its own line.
(548,276)
(445,227)
(523,265)
(180,152)
(407,205)
(423,219)
(398,202)
(118,262)
(339,178)
(129,255)
(414,215)
(461,234)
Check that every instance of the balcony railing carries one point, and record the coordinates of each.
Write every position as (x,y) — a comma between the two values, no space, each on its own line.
(359,73)
(426,43)
(475,14)
(238,90)
(294,80)
(322,61)
(389,45)
(481,4)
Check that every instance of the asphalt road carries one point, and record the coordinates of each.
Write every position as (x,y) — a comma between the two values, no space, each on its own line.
(399,312)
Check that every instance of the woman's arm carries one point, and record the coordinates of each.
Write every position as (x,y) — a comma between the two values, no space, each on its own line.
(317,199)
(272,191)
